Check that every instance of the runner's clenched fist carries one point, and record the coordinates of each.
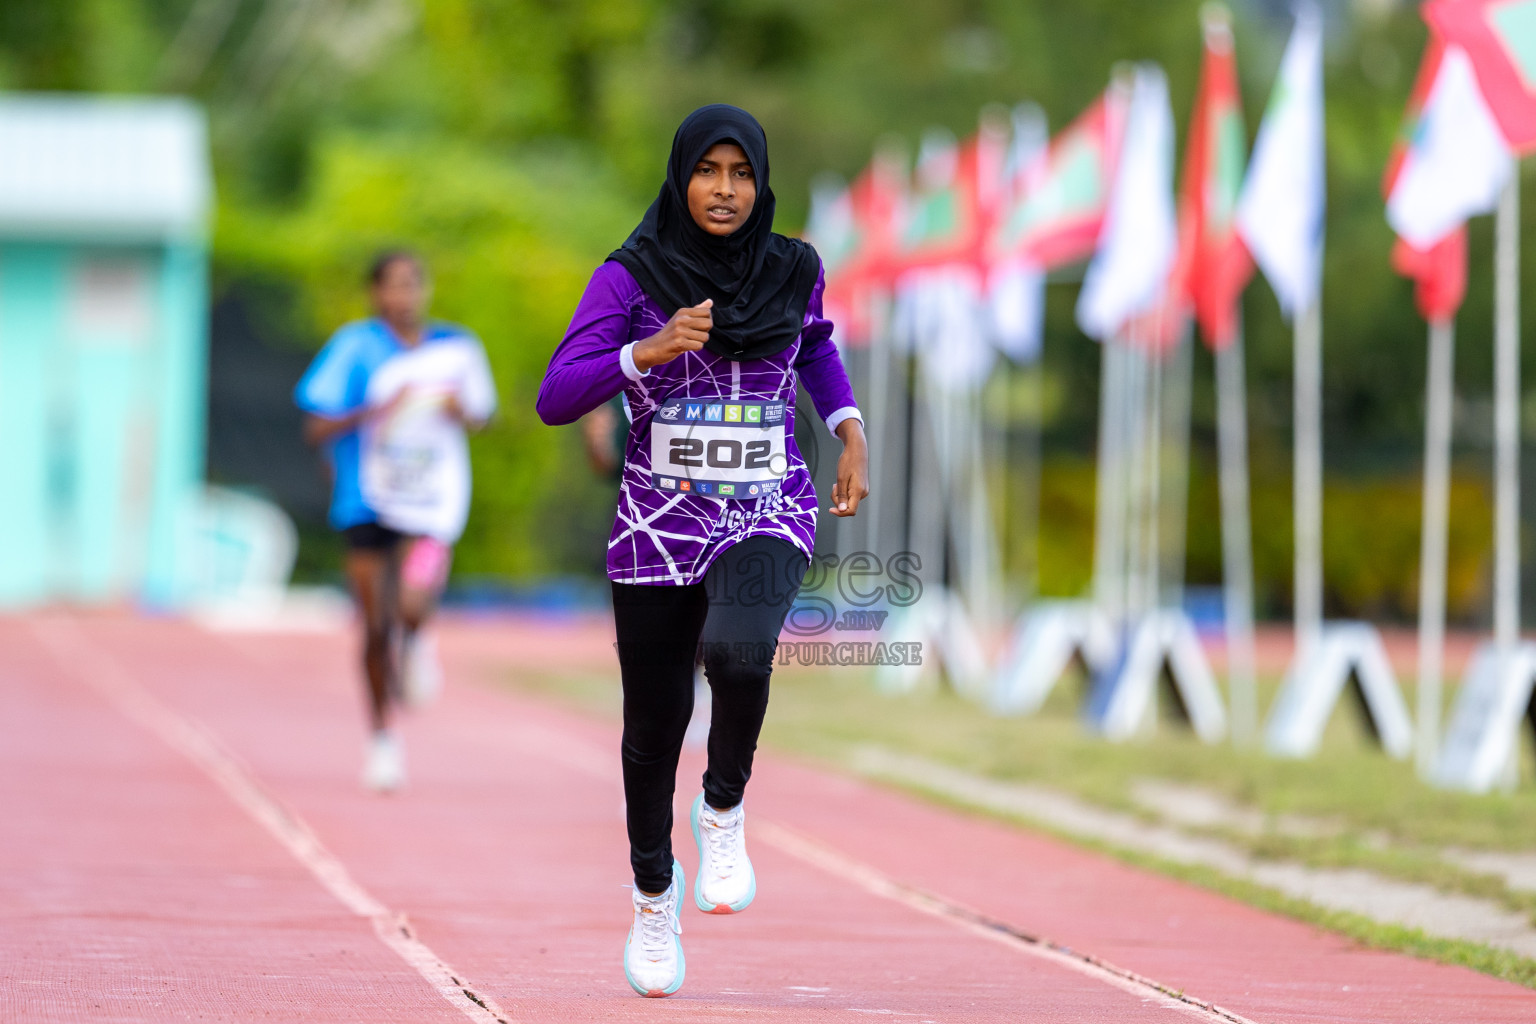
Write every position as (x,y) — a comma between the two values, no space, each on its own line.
(687,331)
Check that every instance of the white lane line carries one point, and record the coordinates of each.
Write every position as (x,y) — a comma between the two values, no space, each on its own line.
(877,883)
(78,655)
(583,757)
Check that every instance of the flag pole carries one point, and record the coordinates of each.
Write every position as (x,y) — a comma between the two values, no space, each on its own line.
(927,481)
(1133,480)
(879,415)
(1002,505)
(1034,475)
(1307,493)
(903,432)
(1236,536)
(1109,522)
(1506,585)
(1153,475)
(1177,418)
(981,549)
(1439,395)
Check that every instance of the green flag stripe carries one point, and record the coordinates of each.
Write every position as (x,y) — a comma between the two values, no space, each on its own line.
(937,218)
(1227,180)
(1514,24)
(1075,188)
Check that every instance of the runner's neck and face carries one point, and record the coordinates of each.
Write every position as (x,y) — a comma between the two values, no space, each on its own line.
(400,298)
(722,189)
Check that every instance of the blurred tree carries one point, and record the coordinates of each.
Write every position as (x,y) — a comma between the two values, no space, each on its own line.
(516,141)
(41,46)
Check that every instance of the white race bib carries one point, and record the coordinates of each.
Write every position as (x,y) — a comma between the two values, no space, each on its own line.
(404,474)
(403,462)
(718,448)
(415,463)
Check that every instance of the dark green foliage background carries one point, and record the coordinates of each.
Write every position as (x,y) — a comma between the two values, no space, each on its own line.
(516,141)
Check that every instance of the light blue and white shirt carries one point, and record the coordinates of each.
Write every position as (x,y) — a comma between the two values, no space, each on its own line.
(336,384)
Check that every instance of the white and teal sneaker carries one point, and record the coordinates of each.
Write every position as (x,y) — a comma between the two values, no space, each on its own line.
(653,953)
(726,883)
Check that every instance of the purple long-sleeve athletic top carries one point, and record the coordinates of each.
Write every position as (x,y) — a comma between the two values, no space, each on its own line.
(673,521)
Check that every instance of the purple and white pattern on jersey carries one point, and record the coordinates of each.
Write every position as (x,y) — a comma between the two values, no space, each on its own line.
(669,537)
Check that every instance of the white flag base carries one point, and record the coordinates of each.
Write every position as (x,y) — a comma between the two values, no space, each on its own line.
(960,650)
(1162,639)
(1044,644)
(1312,687)
(940,622)
(1481,748)
(913,624)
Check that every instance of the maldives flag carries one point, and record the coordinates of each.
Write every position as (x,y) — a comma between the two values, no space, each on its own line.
(830,225)
(1500,37)
(944,225)
(1214,266)
(1056,215)
(862,225)
(832,229)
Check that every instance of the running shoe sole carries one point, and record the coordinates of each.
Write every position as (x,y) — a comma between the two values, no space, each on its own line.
(682,963)
(698,882)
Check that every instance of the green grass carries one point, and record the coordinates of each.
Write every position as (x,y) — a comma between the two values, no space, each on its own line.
(1374,934)
(1383,818)
(1349,781)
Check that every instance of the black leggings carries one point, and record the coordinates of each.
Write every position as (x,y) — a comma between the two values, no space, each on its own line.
(732,620)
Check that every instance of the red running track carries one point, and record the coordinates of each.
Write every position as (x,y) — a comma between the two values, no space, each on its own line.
(185,839)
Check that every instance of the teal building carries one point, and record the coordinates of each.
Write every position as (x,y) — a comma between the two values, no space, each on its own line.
(104,209)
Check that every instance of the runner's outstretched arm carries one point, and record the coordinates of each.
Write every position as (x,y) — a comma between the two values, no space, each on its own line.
(852,484)
(825,378)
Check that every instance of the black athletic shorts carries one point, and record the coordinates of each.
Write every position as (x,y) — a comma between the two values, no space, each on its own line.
(371,537)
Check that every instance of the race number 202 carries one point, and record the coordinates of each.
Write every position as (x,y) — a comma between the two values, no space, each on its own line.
(717,448)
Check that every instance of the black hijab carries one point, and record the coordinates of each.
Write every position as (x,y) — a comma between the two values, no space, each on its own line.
(761,282)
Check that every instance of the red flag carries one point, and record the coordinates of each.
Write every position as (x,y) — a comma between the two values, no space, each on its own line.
(1057,212)
(1214,266)
(1500,38)
(1439,272)
(946,218)
(854,286)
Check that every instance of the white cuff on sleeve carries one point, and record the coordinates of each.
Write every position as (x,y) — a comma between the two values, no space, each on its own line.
(627,363)
(847,412)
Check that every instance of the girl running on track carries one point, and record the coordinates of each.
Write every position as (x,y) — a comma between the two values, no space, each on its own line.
(704,321)
(389,400)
